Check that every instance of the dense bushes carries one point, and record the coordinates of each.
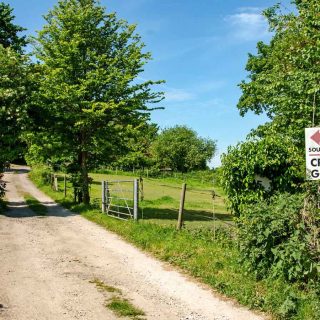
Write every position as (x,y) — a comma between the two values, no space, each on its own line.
(274,158)
(280,238)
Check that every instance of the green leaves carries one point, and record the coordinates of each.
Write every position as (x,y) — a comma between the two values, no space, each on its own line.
(274,237)
(181,149)
(8,31)
(284,76)
(89,89)
(13,89)
(15,81)
(271,158)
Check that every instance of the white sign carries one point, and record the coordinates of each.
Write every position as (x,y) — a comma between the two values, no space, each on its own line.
(312,136)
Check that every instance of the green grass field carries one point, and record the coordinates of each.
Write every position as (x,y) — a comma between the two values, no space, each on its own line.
(161,199)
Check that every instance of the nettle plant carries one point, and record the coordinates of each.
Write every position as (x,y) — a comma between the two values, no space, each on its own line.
(280,237)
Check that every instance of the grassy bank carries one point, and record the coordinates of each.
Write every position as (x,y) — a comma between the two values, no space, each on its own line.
(212,260)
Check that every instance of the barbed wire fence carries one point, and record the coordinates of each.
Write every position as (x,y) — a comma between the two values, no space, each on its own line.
(208,210)
(206,213)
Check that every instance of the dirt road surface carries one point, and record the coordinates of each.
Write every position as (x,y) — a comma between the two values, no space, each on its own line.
(47,263)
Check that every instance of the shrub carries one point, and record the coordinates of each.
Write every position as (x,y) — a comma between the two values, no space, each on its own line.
(277,238)
(272,157)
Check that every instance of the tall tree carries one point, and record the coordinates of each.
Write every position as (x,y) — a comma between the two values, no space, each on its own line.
(137,153)
(181,149)
(9,32)
(284,77)
(14,93)
(13,85)
(284,83)
(89,91)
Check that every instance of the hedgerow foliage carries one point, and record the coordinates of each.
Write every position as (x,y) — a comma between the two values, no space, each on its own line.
(273,157)
(280,238)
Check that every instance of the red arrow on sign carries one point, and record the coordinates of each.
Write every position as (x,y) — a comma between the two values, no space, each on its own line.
(316,137)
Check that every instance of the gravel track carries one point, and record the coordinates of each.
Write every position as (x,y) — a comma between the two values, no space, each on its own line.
(47,263)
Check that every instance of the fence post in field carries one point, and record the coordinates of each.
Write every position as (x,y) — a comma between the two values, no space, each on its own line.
(213,194)
(103,197)
(65,185)
(141,189)
(180,216)
(107,195)
(55,179)
(135,198)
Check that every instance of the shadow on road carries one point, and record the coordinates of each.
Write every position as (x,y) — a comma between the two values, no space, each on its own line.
(22,210)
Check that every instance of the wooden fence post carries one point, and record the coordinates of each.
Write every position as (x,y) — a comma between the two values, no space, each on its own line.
(56,188)
(180,216)
(141,189)
(65,186)
(135,199)
(103,197)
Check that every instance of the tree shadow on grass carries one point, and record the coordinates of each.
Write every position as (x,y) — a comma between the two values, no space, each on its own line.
(189,215)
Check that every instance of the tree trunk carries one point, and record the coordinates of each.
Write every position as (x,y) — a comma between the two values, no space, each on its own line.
(85,196)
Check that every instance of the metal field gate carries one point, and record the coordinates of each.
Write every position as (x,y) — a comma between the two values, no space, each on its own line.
(120,198)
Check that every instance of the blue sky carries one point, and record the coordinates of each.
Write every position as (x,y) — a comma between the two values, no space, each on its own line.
(199,48)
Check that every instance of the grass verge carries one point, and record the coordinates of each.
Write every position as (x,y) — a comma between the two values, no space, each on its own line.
(212,260)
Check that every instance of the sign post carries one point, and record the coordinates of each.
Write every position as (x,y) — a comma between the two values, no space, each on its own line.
(312,136)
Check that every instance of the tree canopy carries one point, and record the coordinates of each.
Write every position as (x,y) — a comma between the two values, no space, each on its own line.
(284,83)
(14,93)
(181,149)
(137,151)
(9,32)
(14,85)
(89,90)
(284,76)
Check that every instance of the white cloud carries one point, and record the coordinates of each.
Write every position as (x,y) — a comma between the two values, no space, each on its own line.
(178,95)
(248,24)
(210,86)
(250,9)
